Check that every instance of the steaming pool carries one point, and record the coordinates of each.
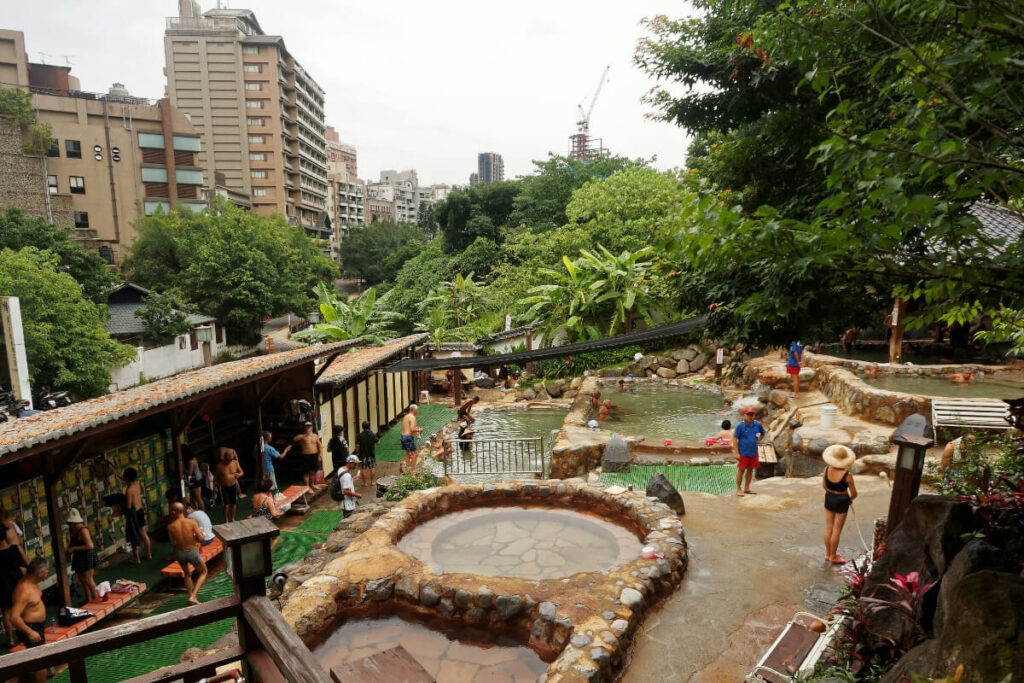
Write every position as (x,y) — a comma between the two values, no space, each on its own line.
(659,412)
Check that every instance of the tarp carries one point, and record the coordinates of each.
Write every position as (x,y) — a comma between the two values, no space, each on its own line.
(643,337)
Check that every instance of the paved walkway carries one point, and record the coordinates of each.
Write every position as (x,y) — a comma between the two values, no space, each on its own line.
(754,561)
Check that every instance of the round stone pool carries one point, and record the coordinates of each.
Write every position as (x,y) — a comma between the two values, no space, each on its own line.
(526,543)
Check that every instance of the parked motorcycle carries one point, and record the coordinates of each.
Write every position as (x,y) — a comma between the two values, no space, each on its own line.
(10,406)
(48,400)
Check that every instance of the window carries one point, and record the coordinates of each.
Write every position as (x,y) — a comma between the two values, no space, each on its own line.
(51,183)
(257,156)
(252,68)
(77,183)
(73,149)
(151,207)
(151,140)
(254,121)
(259,192)
(258,174)
(154,175)
(257,139)
(250,50)
(253,85)
(53,148)
(81,219)
(188,177)
(254,104)
(186,143)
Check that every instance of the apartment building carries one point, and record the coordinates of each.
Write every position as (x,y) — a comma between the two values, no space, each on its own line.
(114,155)
(346,196)
(340,156)
(259,113)
(490,168)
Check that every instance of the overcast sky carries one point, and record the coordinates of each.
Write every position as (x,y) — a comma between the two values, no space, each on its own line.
(412,84)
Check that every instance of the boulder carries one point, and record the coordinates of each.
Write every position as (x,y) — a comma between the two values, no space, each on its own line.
(569,393)
(795,442)
(807,374)
(778,398)
(817,446)
(576,383)
(698,362)
(616,456)
(611,372)
(485,382)
(977,555)
(661,488)
(554,390)
(646,362)
(689,353)
(683,367)
(666,373)
(679,354)
(529,394)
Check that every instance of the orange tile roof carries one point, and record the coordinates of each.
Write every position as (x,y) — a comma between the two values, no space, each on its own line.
(18,434)
(359,360)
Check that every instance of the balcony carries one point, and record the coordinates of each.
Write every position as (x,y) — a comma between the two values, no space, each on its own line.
(205,26)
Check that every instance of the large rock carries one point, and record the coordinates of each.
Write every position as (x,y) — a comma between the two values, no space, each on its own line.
(817,446)
(661,488)
(778,398)
(683,367)
(611,372)
(666,373)
(977,555)
(576,383)
(689,353)
(807,374)
(679,354)
(616,456)
(647,361)
(529,394)
(554,390)
(485,382)
(698,362)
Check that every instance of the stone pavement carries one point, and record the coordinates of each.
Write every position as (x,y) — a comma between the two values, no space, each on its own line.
(754,562)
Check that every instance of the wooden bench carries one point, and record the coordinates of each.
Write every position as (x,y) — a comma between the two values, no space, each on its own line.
(173,571)
(287,501)
(100,610)
(970,413)
(795,652)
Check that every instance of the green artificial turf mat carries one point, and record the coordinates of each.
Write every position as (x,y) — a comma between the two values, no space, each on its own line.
(320,522)
(431,418)
(714,479)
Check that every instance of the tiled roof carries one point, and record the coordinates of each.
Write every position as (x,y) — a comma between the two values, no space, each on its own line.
(514,332)
(358,361)
(998,222)
(51,425)
(455,346)
(123,321)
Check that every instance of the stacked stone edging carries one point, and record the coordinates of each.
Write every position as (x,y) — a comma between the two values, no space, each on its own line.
(586,621)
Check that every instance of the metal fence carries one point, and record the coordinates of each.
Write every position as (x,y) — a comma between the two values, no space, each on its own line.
(499,456)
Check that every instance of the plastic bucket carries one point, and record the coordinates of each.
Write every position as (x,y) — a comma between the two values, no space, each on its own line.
(828,416)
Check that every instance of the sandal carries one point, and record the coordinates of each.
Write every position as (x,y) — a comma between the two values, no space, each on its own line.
(837,560)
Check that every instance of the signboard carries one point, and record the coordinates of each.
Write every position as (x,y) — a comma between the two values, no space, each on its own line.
(720,357)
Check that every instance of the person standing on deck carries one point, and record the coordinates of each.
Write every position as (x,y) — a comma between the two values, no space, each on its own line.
(745,440)
(228,473)
(28,615)
(350,496)
(12,562)
(366,449)
(312,453)
(270,454)
(135,516)
(186,537)
(82,553)
(410,430)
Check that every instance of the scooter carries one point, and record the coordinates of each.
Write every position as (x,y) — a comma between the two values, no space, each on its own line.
(10,406)
(48,400)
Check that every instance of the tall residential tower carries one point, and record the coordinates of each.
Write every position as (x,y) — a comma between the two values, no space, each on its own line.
(490,168)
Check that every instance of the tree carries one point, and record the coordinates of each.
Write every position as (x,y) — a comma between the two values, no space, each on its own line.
(66,342)
(365,317)
(477,212)
(414,282)
(462,300)
(235,265)
(376,252)
(18,231)
(164,316)
(479,257)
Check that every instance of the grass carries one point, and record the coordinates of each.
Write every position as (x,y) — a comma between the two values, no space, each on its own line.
(713,479)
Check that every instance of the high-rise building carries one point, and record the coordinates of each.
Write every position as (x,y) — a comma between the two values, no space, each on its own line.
(474,179)
(408,200)
(112,155)
(340,156)
(260,114)
(490,168)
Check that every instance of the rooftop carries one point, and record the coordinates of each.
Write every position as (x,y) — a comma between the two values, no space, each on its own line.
(514,332)
(52,425)
(998,223)
(355,362)
(123,321)
(455,346)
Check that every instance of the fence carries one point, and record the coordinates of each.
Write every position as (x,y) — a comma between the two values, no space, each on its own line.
(499,456)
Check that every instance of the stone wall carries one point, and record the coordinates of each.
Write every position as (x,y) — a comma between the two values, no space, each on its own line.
(856,397)
(586,621)
(23,180)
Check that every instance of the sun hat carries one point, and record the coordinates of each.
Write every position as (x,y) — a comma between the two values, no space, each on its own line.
(75,517)
(839,457)
(352,458)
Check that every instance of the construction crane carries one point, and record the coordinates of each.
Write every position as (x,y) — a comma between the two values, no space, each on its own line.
(580,144)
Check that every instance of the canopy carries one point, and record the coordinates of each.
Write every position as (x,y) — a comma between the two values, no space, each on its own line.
(643,337)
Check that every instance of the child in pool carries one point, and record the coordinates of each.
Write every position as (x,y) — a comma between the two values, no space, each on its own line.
(722,438)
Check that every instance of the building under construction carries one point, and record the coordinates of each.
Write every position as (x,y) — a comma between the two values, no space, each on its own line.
(582,145)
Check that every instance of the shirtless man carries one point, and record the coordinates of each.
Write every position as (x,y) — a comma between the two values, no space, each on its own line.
(312,453)
(605,411)
(850,339)
(28,614)
(228,473)
(409,433)
(186,537)
(964,377)
(135,516)
(465,408)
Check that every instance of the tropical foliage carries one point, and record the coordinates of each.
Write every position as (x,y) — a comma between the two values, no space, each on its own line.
(366,316)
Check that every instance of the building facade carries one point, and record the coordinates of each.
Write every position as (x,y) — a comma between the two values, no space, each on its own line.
(340,156)
(347,198)
(259,113)
(113,155)
(490,168)
(407,198)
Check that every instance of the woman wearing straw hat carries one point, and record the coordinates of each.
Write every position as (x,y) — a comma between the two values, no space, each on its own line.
(82,554)
(840,491)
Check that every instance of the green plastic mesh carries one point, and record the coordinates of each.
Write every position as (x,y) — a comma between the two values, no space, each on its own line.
(431,418)
(714,479)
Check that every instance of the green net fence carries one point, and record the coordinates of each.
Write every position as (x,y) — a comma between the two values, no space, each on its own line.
(714,479)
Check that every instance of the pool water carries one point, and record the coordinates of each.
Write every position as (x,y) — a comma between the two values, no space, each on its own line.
(935,386)
(528,543)
(472,657)
(659,412)
(516,423)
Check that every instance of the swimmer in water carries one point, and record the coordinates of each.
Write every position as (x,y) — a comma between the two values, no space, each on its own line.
(606,410)
(872,372)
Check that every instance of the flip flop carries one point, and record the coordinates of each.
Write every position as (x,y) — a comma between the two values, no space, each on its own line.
(750,493)
(837,560)
(739,494)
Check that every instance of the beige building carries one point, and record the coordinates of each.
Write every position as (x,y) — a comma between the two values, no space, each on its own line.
(341,156)
(260,115)
(113,156)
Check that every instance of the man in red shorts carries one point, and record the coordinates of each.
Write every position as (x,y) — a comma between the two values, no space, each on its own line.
(745,439)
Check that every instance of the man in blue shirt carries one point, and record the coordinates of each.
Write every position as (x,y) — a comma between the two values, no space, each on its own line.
(270,454)
(793,359)
(745,440)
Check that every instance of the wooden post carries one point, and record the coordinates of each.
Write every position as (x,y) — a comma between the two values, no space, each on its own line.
(457,382)
(56,521)
(899,309)
(529,347)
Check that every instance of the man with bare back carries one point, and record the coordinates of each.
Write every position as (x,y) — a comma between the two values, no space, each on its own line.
(186,537)
(409,433)
(28,615)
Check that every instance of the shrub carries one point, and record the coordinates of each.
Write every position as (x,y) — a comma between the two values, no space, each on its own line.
(407,482)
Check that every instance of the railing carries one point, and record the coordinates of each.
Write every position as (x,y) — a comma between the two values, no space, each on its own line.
(206,25)
(268,649)
(498,456)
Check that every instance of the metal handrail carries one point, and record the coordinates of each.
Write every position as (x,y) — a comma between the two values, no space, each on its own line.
(498,456)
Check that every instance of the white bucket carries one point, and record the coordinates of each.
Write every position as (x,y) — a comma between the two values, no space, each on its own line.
(828,416)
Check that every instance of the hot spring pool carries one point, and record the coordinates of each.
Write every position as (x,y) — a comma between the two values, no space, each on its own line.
(516,423)
(470,657)
(935,386)
(527,543)
(658,412)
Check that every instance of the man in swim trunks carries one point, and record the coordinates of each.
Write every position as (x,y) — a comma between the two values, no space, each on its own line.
(186,537)
(135,516)
(850,339)
(409,433)
(465,408)
(312,453)
(745,440)
(28,614)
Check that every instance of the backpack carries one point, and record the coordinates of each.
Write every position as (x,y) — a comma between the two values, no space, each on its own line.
(336,492)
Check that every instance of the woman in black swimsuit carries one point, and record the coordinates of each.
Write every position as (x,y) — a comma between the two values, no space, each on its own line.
(840,491)
(82,553)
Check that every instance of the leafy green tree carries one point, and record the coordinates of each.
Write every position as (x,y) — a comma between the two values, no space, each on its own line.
(236,265)
(477,212)
(66,342)
(164,316)
(376,252)
(480,257)
(462,300)
(365,317)
(416,280)
(18,231)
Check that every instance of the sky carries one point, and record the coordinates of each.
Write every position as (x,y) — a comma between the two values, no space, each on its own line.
(412,84)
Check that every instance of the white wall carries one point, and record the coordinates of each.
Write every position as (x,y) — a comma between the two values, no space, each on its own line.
(163,361)
(506,345)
